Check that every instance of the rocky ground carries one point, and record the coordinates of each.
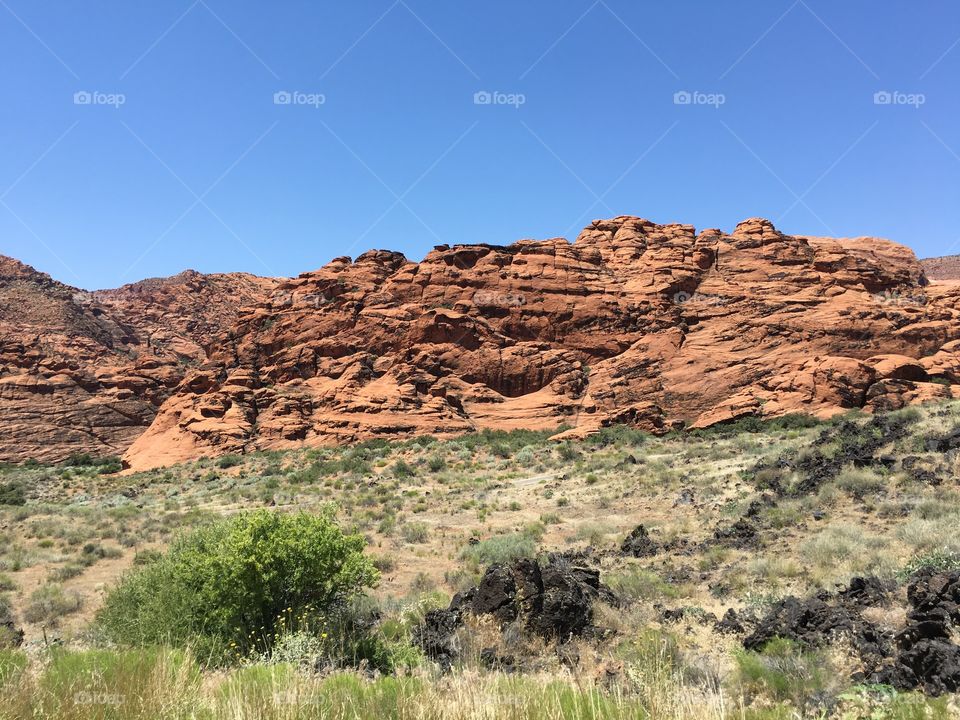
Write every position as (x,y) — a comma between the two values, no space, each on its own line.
(796,565)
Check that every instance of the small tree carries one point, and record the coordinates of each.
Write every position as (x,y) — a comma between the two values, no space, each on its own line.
(233,586)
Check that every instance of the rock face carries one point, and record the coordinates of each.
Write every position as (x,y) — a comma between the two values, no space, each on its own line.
(654,325)
(87,372)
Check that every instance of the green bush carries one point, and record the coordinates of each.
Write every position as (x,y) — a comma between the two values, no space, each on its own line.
(504,442)
(415,532)
(756,424)
(48,603)
(501,549)
(231,587)
(105,465)
(402,469)
(228,461)
(942,559)
(618,435)
(13,493)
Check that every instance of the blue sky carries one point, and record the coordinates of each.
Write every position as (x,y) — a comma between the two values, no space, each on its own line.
(183,158)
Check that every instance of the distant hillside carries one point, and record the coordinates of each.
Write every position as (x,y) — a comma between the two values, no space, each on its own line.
(942,268)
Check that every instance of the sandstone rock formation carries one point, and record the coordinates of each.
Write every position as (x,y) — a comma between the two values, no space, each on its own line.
(654,325)
(86,372)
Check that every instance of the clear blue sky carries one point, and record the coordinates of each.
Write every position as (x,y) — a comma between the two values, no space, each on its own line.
(200,168)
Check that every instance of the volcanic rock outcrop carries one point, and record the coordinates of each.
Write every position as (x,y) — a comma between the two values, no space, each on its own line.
(653,325)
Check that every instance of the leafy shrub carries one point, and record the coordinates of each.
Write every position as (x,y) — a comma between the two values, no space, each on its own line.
(525,457)
(941,559)
(567,452)
(6,583)
(13,493)
(501,549)
(436,463)
(230,587)
(110,466)
(415,532)
(503,441)
(756,424)
(228,461)
(402,469)
(859,482)
(79,460)
(145,557)
(104,465)
(48,603)
(618,435)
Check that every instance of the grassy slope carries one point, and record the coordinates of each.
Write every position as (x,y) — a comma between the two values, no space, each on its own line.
(420,503)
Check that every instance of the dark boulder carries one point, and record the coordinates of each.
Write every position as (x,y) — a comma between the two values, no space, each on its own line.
(826,617)
(930,665)
(436,636)
(552,598)
(639,543)
(742,534)
(731,623)
(866,591)
(950,441)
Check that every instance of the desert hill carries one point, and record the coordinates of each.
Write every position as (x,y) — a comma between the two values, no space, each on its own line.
(942,268)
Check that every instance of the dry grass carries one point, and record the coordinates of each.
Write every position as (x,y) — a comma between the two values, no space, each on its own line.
(435,513)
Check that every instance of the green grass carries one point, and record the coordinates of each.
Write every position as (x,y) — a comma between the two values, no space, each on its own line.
(500,549)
